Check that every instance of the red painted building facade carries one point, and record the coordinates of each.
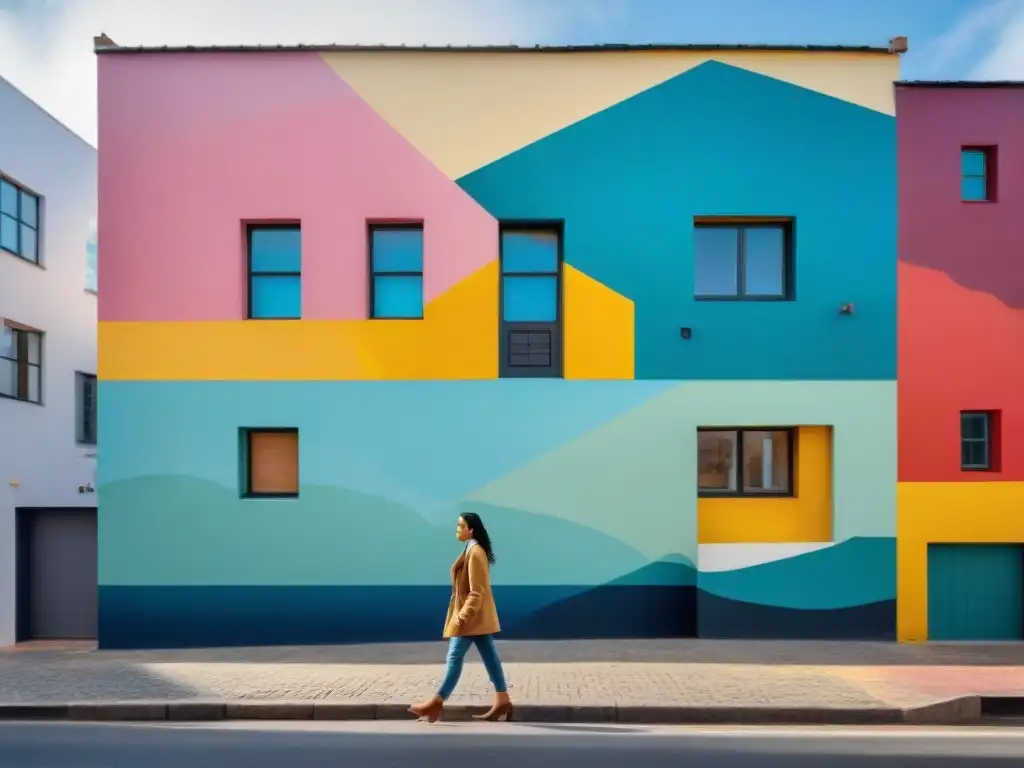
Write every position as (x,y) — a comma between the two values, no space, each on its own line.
(961,360)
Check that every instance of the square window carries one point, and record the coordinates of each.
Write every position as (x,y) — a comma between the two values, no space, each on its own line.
(745,462)
(396,272)
(275,272)
(270,462)
(741,261)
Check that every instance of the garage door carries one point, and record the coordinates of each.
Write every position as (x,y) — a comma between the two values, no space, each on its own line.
(975,592)
(61,574)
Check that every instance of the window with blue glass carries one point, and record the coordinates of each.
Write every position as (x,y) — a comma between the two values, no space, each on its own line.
(396,266)
(742,261)
(19,221)
(976,174)
(531,259)
(275,272)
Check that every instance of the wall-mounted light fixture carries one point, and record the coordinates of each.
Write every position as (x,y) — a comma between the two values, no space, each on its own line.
(686,333)
(846,309)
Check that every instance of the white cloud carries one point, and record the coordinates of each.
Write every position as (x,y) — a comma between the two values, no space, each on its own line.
(46,45)
(991,35)
(1005,58)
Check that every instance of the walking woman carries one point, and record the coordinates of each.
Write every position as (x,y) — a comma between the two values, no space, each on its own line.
(472,620)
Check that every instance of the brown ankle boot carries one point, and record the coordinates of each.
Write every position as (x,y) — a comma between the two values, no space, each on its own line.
(498,711)
(430,711)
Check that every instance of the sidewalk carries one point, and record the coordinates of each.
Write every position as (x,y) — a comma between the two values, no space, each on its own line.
(634,680)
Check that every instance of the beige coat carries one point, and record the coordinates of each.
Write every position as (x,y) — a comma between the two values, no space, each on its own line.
(472,610)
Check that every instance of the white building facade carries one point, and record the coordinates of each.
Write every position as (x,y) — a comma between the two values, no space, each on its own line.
(47,376)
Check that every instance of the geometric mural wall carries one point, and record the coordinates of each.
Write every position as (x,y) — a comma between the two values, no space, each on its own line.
(588,482)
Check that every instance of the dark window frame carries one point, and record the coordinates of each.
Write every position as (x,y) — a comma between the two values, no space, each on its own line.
(86,412)
(23,364)
(788,227)
(789,493)
(988,153)
(247,435)
(986,419)
(19,221)
(555,330)
(378,226)
(251,227)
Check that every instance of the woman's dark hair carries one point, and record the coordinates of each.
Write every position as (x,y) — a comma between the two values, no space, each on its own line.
(480,535)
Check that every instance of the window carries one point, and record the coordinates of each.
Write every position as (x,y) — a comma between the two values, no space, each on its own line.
(21,363)
(976,440)
(977,174)
(531,332)
(742,261)
(19,221)
(396,267)
(85,397)
(271,462)
(745,462)
(275,272)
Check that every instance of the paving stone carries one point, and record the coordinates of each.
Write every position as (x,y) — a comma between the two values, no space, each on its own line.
(583,678)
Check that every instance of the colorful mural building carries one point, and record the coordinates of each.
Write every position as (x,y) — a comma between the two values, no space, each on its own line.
(961,368)
(634,306)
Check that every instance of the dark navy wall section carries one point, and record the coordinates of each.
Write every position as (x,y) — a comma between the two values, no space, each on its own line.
(722,141)
(181,617)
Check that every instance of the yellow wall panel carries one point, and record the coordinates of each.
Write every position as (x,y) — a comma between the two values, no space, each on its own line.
(464,110)
(806,517)
(947,513)
(457,339)
(598,329)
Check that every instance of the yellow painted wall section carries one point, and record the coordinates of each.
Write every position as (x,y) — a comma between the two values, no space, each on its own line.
(457,339)
(946,513)
(465,110)
(806,517)
(598,329)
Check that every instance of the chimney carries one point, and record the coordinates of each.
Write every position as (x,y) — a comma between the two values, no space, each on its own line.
(102,41)
(898,45)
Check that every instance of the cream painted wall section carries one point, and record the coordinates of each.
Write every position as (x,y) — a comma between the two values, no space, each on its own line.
(464,110)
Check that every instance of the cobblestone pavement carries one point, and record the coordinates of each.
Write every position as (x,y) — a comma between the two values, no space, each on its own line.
(624,672)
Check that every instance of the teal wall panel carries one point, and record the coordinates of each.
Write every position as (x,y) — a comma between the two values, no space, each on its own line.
(854,572)
(588,489)
(975,592)
(722,141)
(607,468)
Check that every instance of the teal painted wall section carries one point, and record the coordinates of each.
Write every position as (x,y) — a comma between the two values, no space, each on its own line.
(581,482)
(718,141)
(854,572)
(976,592)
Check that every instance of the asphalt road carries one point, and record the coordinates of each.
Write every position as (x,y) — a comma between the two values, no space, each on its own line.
(390,745)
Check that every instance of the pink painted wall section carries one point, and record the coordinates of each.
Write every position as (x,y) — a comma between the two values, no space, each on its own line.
(196,144)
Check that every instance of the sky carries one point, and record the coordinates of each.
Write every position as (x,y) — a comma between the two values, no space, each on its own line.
(46,45)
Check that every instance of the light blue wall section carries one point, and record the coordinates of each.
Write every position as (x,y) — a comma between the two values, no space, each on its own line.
(722,141)
(580,482)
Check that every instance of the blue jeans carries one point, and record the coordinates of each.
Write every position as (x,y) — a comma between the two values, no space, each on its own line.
(458,647)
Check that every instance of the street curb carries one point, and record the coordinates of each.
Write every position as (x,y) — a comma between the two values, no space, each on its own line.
(963,710)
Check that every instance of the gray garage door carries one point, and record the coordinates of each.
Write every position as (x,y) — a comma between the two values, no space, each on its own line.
(62,574)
